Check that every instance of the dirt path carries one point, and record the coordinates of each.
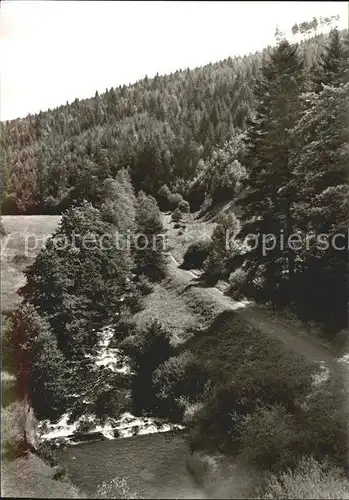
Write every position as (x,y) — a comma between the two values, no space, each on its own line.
(295,339)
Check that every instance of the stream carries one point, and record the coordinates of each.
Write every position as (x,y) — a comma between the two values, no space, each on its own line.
(149,453)
(67,432)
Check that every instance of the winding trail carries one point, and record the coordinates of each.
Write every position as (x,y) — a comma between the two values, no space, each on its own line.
(294,339)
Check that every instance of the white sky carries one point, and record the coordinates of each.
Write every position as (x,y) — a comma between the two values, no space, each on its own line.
(53,52)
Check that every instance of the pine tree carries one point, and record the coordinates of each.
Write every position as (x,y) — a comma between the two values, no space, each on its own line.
(331,65)
(269,142)
(320,208)
(149,256)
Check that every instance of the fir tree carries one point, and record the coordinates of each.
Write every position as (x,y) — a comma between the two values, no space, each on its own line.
(269,142)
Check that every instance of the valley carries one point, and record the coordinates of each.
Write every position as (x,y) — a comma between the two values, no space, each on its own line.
(174,257)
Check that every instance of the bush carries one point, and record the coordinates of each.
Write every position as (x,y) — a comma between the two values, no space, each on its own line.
(200,466)
(147,350)
(236,281)
(311,479)
(41,369)
(178,380)
(214,267)
(174,200)
(112,403)
(144,285)
(261,374)
(196,254)
(184,207)
(124,328)
(323,424)
(268,437)
(176,215)
(177,225)
(196,195)
(135,301)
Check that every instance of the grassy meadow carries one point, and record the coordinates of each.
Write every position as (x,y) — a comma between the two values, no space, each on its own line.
(24,237)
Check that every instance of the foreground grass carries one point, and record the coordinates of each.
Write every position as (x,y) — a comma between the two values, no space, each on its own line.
(165,305)
(31,477)
(26,476)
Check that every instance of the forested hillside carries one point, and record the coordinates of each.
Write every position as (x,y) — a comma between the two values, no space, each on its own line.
(163,128)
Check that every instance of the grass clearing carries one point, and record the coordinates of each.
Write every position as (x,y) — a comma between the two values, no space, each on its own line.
(31,478)
(26,476)
(171,310)
(25,235)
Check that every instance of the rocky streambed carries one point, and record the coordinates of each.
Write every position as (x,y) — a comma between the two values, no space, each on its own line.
(88,427)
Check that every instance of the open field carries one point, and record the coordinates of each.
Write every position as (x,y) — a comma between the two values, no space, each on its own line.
(24,237)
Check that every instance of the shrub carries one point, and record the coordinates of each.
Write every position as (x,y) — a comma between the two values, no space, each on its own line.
(184,207)
(220,476)
(176,215)
(124,327)
(311,479)
(178,380)
(227,227)
(261,374)
(236,281)
(112,402)
(135,301)
(147,350)
(60,473)
(177,225)
(144,285)
(116,488)
(267,438)
(200,466)
(323,423)
(174,200)
(213,268)
(216,424)
(41,369)
(196,254)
